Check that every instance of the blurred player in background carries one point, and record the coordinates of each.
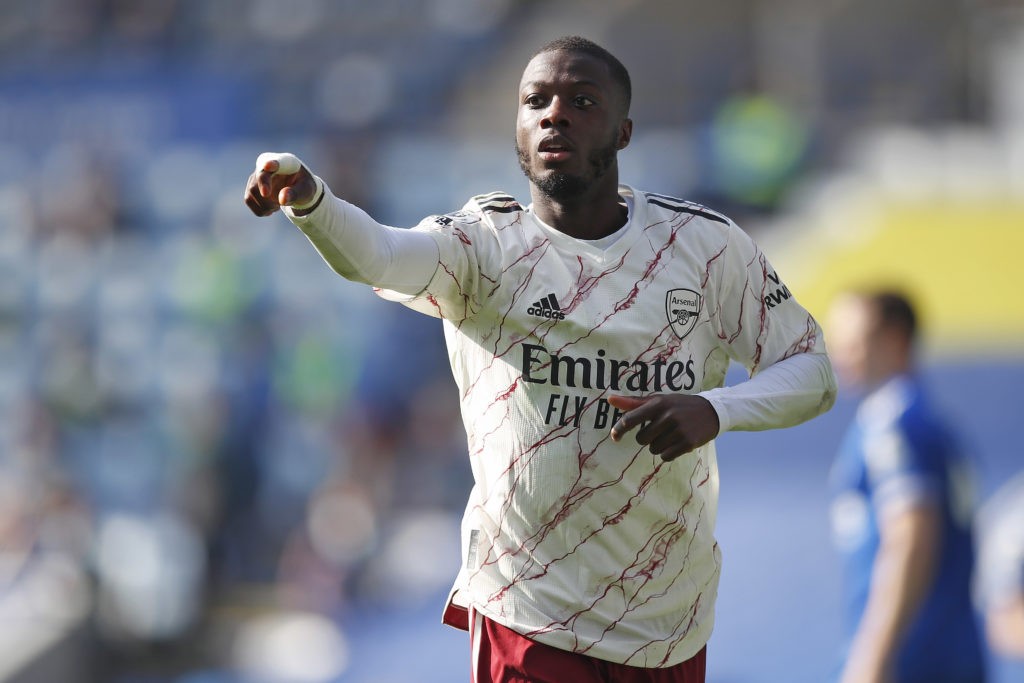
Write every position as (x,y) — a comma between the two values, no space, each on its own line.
(902,508)
(596,311)
(1001,568)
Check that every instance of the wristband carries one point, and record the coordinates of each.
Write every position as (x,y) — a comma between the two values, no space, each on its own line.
(306,208)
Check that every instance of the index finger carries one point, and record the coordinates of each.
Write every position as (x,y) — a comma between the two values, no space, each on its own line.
(635,416)
(264,180)
(284,163)
(269,164)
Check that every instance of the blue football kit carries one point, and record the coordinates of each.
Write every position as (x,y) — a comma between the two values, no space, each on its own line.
(898,453)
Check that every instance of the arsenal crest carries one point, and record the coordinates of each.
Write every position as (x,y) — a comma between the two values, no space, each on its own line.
(682,306)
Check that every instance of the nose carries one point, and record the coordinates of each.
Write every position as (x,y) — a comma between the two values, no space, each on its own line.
(556,115)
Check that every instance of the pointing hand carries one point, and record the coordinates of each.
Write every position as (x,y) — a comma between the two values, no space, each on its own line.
(670,424)
(280,179)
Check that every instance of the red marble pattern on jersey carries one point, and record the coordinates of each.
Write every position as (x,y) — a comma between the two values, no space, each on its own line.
(584,285)
(650,561)
(807,341)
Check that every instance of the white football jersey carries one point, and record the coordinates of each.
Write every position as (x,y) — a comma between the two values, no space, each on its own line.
(570,538)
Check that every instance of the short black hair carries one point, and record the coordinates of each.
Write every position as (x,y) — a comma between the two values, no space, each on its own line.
(895,311)
(589,47)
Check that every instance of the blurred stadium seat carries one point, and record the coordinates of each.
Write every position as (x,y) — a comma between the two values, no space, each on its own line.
(198,412)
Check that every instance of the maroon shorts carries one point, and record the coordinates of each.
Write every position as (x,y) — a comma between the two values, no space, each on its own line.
(500,655)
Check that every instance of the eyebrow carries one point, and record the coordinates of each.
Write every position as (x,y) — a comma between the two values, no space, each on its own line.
(581,82)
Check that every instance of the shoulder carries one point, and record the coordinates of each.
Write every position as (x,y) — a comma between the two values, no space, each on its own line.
(666,204)
(910,406)
(898,405)
(494,203)
(491,210)
(900,411)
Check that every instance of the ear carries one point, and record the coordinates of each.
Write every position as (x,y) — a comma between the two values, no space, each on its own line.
(893,349)
(625,133)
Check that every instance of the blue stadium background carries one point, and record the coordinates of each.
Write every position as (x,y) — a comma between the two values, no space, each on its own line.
(219,463)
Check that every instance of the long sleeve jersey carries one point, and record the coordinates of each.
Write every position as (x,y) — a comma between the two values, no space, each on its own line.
(570,538)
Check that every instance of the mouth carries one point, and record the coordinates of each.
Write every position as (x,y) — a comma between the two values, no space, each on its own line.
(555,148)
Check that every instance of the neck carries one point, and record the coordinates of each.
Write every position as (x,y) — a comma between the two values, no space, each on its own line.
(890,372)
(589,217)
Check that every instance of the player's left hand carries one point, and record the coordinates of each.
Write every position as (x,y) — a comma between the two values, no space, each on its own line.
(670,424)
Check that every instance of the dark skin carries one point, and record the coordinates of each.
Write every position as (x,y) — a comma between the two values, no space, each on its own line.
(572,120)
(266,191)
(571,111)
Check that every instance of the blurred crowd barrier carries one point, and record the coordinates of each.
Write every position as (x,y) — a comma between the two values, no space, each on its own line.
(214,451)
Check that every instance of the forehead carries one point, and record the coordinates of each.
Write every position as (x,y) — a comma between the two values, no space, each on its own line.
(851,317)
(563,67)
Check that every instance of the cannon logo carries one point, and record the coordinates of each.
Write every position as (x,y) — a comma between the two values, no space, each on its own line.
(682,306)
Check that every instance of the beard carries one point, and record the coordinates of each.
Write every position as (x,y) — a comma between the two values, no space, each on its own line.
(566,186)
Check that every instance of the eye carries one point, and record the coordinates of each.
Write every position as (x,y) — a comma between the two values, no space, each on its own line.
(533,101)
(583,101)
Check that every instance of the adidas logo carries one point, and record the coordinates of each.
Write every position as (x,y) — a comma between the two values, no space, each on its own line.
(547,308)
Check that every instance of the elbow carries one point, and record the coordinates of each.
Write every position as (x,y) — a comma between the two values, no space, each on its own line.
(828,396)
(830,384)
(814,408)
(829,387)
(828,399)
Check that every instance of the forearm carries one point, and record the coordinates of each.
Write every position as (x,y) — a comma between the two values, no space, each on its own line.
(782,395)
(360,249)
(901,576)
(898,586)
